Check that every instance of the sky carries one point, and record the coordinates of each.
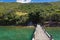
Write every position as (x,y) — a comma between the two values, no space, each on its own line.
(31,0)
(7,0)
(44,0)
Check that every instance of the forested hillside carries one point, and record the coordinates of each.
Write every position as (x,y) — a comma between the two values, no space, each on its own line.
(18,13)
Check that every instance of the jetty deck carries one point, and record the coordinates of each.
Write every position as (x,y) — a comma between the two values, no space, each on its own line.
(40,34)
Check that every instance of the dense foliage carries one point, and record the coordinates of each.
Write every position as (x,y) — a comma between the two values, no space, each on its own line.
(35,12)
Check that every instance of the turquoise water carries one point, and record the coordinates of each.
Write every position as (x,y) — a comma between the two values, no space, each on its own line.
(54,31)
(16,33)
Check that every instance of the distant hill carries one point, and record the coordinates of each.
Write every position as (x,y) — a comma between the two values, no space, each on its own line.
(29,7)
(45,11)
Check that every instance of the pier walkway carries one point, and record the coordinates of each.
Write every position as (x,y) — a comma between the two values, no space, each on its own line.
(40,34)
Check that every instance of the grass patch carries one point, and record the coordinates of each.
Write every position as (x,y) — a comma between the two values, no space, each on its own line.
(16,33)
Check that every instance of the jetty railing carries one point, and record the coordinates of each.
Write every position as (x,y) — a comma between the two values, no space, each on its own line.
(49,36)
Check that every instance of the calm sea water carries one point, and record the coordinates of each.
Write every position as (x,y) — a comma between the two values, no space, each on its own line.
(16,33)
(54,31)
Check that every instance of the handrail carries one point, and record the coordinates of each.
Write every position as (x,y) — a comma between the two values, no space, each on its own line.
(49,36)
(34,35)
